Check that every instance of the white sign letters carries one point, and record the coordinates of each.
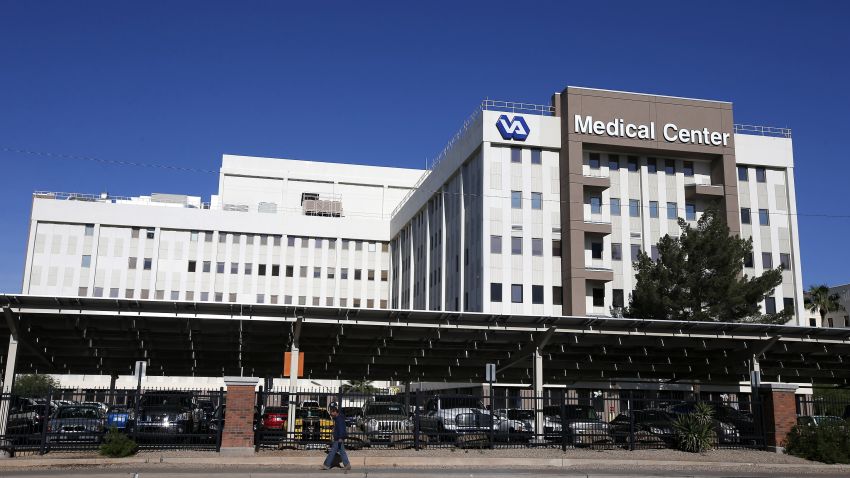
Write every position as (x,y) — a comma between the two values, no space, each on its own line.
(671,133)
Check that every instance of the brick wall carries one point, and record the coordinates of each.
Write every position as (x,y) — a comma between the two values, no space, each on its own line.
(239,417)
(780,415)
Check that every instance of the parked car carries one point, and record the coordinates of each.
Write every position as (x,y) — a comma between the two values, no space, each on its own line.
(312,424)
(821,420)
(77,423)
(206,412)
(120,417)
(448,417)
(167,413)
(650,426)
(386,422)
(27,416)
(726,432)
(353,415)
(529,424)
(274,418)
(581,425)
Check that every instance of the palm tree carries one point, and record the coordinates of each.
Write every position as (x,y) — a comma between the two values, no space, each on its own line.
(818,299)
(360,386)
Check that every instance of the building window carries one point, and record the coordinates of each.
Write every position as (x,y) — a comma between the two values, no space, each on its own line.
(743,173)
(148,263)
(813,323)
(190,295)
(206,266)
(134,233)
(672,210)
(635,252)
(175,294)
(86,262)
(516,199)
(770,305)
(557,295)
(495,244)
(653,209)
(261,269)
(249,268)
(89,229)
(748,260)
(373,246)
(343,273)
(634,207)
(690,212)
(617,298)
(688,169)
(385,275)
(150,232)
(131,263)
(219,267)
(761,175)
(615,206)
(205,296)
(516,293)
(651,165)
(113,293)
(317,273)
(593,161)
(516,155)
(537,294)
(516,245)
(785,261)
(829,322)
(219,296)
(370,274)
(192,265)
(495,292)
(556,248)
(633,164)
(302,272)
(249,240)
(653,252)
(98,291)
(595,204)
(536,247)
(275,270)
(669,167)
(331,272)
(616,251)
(788,304)
(596,250)
(290,241)
(222,238)
(764,217)
(613,162)
(536,200)
(358,274)
(536,156)
(767,260)
(318,243)
(305,243)
(598,297)
(745,215)
(234,267)
(290,271)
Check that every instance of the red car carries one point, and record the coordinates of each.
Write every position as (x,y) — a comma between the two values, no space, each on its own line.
(274,418)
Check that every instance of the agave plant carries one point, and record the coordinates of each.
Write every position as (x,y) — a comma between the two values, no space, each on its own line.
(695,431)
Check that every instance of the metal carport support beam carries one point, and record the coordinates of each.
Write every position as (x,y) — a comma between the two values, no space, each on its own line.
(755,371)
(293,373)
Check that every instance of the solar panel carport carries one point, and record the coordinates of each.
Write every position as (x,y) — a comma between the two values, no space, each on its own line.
(100,335)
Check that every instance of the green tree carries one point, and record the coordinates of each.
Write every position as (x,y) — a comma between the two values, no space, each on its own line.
(818,299)
(34,385)
(699,276)
(358,386)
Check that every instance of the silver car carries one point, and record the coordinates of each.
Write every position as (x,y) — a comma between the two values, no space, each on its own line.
(77,423)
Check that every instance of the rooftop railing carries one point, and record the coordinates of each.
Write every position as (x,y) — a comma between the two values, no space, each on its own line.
(762,130)
(514,107)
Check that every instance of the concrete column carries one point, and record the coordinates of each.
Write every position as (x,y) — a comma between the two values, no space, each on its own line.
(8,378)
(237,438)
(779,409)
(538,393)
(293,386)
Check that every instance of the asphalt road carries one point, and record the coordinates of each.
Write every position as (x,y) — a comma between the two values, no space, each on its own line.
(253,472)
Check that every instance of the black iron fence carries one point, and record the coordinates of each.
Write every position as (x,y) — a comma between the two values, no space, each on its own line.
(507,418)
(74,420)
(824,407)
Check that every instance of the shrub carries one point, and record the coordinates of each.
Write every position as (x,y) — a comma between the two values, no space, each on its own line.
(117,445)
(828,443)
(695,431)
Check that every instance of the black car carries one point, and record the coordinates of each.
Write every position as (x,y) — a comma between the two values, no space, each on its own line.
(722,421)
(27,416)
(167,414)
(580,424)
(650,426)
(353,415)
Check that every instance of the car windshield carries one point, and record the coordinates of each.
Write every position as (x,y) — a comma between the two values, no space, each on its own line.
(277,410)
(520,414)
(460,402)
(77,412)
(313,413)
(652,415)
(384,409)
(161,399)
(352,411)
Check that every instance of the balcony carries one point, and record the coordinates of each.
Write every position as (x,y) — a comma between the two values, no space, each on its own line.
(708,191)
(595,178)
(601,274)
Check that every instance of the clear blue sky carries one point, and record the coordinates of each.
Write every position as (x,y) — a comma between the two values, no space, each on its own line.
(181,83)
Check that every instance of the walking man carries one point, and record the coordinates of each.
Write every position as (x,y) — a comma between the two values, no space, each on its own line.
(339,435)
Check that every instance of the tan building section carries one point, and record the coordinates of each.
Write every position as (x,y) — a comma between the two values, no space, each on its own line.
(640,125)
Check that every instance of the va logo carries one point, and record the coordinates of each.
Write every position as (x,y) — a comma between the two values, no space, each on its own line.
(515,128)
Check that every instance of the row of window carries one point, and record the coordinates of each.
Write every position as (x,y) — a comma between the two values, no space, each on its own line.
(536,200)
(207,236)
(767,260)
(744,174)
(536,156)
(764,216)
(516,246)
(231,297)
(517,294)
(633,164)
(597,248)
(634,208)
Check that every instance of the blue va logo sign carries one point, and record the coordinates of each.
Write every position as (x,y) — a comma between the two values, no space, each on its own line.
(515,128)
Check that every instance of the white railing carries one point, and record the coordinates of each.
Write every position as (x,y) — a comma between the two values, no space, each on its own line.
(514,107)
(762,130)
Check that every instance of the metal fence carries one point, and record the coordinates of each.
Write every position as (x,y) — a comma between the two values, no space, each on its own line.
(506,419)
(831,407)
(75,420)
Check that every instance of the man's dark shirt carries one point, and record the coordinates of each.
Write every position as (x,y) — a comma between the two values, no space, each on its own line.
(339,427)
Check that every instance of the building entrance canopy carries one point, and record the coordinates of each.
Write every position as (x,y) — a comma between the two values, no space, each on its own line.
(104,336)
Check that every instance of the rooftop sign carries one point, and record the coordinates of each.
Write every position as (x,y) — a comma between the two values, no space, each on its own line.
(671,133)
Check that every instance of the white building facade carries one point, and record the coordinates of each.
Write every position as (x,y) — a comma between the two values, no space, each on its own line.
(536,210)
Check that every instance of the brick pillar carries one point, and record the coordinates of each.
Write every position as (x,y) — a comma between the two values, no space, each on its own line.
(779,412)
(237,438)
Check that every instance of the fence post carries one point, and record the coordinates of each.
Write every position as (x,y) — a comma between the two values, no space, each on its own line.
(563,423)
(238,439)
(416,427)
(257,426)
(221,423)
(631,408)
(137,407)
(42,450)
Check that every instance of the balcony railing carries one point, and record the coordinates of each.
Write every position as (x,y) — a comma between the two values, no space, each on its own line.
(762,130)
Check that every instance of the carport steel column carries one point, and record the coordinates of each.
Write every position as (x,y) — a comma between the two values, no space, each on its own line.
(538,395)
(237,438)
(9,377)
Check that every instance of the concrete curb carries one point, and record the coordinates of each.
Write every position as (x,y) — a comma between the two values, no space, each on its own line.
(404,462)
